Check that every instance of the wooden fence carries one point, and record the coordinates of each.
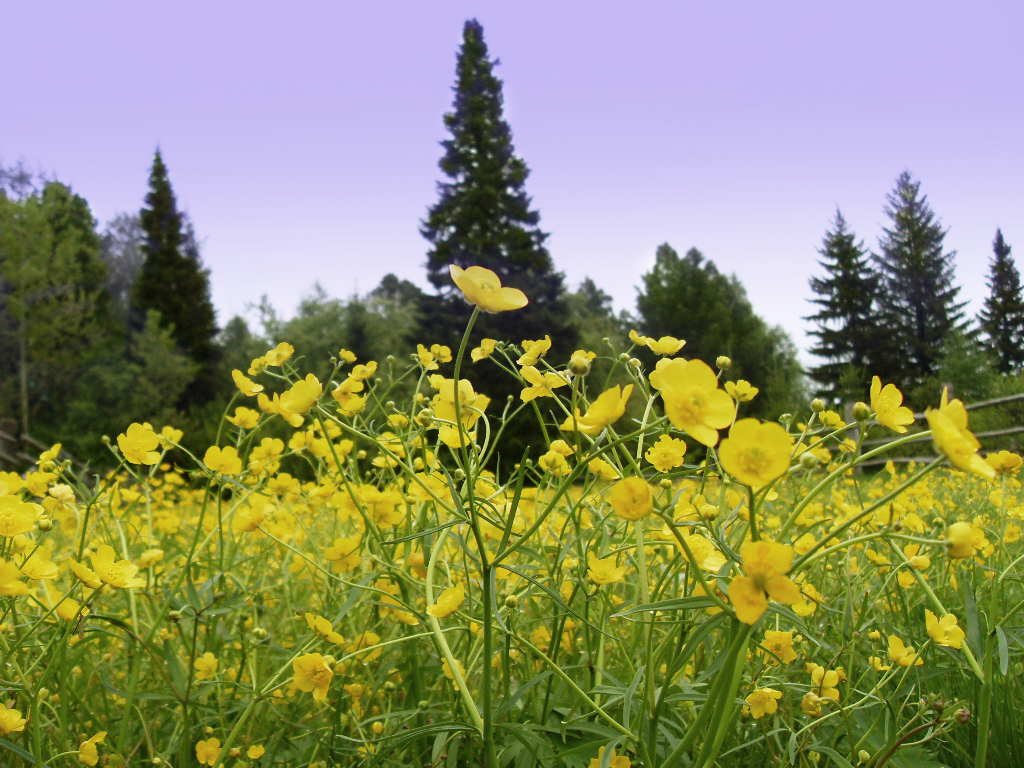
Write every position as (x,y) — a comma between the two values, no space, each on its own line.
(18,451)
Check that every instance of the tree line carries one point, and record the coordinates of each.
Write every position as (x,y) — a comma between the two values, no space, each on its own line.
(102,328)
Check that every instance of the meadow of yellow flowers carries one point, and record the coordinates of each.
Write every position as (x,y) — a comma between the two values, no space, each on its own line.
(691,588)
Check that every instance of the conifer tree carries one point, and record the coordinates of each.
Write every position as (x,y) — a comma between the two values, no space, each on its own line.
(1002,318)
(172,281)
(918,297)
(483,216)
(846,327)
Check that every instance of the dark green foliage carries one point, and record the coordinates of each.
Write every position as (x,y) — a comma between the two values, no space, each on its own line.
(690,299)
(483,218)
(917,302)
(845,324)
(173,282)
(55,314)
(1002,319)
(121,249)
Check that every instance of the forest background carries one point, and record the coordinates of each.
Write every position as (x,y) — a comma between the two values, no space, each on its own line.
(103,326)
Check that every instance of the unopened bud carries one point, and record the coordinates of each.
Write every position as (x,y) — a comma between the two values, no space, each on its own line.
(259,633)
(863,757)
(105,439)
(817,405)
(579,366)
(665,483)
(425,417)
(208,730)
(861,412)
(174,616)
(635,365)
(459,474)
(423,705)
(624,358)
(360,455)
(723,363)
(45,525)
(709,512)
(234,752)
(808,460)
(390,687)
(511,601)
(962,716)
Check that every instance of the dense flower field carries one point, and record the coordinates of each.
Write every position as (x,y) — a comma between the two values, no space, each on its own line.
(750,597)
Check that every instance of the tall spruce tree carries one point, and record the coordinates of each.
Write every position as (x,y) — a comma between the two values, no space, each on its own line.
(918,304)
(172,281)
(846,326)
(1002,318)
(483,215)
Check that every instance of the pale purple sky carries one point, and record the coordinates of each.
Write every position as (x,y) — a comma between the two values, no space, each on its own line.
(302,137)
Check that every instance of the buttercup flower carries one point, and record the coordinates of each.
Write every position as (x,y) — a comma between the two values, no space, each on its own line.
(944,631)
(205,666)
(606,410)
(960,539)
(541,384)
(207,751)
(780,645)
(245,385)
(949,431)
(741,391)
(604,571)
(119,574)
(312,674)
(763,701)
(765,565)
(693,401)
(887,403)
(87,754)
(480,286)
(756,453)
(10,720)
(139,445)
(617,761)
(901,654)
(1004,462)
(448,601)
(666,454)
(666,345)
(17,516)
(631,498)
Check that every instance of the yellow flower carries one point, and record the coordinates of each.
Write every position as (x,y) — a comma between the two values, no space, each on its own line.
(120,574)
(279,354)
(811,704)
(606,410)
(604,571)
(312,674)
(323,628)
(541,384)
(534,350)
(448,601)
(207,751)
(765,565)
(602,469)
(297,401)
(666,454)
(1004,462)
(205,666)
(480,286)
(17,516)
(637,339)
(780,647)
(139,444)
(617,761)
(949,431)
(245,385)
(223,460)
(10,720)
(554,463)
(631,498)
(741,391)
(824,682)
(887,403)
(901,654)
(485,350)
(343,554)
(255,752)
(246,418)
(447,670)
(960,538)
(666,345)
(693,401)
(87,754)
(756,453)
(763,701)
(944,631)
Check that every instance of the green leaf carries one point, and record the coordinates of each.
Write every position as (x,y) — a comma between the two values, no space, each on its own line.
(1004,651)
(974,630)
(675,604)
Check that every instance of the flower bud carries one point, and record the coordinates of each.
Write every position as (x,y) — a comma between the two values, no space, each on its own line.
(511,601)
(390,687)
(861,412)
(423,705)
(808,461)
(723,363)
(623,358)
(208,731)
(962,716)
(174,616)
(234,752)
(818,405)
(579,366)
(863,757)
(259,633)
(635,365)
(45,525)
(360,455)
(665,483)
(425,417)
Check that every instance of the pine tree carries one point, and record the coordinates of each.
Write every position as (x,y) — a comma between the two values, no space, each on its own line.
(1002,319)
(173,282)
(917,300)
(483,216)
(846,326)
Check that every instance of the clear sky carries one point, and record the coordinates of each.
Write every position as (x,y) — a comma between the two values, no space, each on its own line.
(302,138)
